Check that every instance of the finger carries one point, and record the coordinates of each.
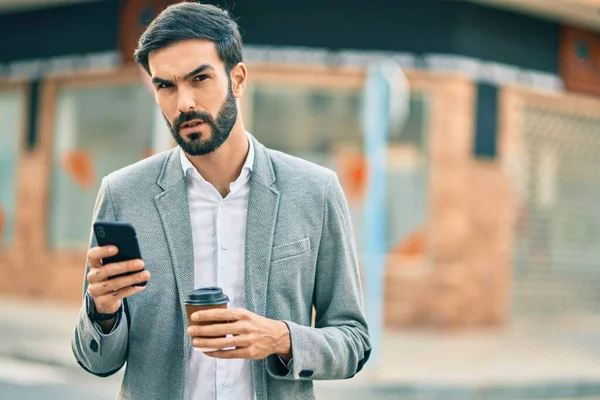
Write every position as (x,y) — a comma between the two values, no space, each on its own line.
(126,292)
(110,286)
(129,280)
(112,301)
(219,329)
(96,254)
(118,268)
(222,343)
(244,353)
(219,314)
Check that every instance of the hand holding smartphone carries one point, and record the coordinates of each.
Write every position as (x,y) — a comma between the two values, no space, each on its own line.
(116,270)
(121,235)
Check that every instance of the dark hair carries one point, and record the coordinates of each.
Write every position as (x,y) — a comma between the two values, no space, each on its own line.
(185,21)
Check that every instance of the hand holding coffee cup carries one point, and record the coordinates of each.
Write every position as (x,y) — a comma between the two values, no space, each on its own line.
(223,332)
(205,299)
(108,293)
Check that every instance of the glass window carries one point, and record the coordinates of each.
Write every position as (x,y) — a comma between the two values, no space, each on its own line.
(97,131)
(306,122)
(11,112)
(408,181)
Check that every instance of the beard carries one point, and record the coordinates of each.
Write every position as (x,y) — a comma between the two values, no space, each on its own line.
(220,128)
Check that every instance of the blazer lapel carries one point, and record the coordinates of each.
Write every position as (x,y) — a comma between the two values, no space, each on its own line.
(173,208)
(260,228)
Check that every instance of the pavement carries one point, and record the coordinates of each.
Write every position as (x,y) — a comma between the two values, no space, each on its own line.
(27,380)
(528,360)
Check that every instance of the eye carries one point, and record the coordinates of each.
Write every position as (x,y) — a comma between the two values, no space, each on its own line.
(200,78)
(163,85)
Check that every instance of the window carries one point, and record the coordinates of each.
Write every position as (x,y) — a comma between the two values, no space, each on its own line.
(408,178)
(306,122)
(97,131)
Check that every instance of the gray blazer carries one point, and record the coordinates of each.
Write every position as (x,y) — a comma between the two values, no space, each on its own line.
(300,254)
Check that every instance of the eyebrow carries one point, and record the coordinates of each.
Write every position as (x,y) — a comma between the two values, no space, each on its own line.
(202,68)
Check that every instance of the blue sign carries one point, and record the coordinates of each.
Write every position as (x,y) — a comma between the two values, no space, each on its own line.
(376,125)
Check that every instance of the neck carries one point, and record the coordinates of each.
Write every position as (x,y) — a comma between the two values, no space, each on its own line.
(224,165)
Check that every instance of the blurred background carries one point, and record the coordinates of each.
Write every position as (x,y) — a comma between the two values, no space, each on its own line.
(472,172)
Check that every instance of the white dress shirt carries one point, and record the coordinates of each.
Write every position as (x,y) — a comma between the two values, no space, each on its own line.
(218,230)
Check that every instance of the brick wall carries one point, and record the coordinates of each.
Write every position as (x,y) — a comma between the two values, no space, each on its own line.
(29,268)
(461,276)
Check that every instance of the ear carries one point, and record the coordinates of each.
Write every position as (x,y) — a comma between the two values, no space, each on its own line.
(238,75)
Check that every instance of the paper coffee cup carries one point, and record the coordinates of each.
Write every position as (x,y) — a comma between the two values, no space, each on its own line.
(205,299)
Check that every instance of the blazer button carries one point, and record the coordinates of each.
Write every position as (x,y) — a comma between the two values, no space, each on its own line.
(306,373)
(94,345)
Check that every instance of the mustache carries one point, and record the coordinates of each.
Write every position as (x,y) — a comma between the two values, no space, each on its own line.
(192,115)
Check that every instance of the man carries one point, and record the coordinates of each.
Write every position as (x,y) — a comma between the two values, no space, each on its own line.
(220,210)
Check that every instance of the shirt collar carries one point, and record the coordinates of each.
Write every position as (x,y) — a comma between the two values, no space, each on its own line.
(186,164)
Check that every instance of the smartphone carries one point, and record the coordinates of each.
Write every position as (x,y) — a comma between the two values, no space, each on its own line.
(123,236)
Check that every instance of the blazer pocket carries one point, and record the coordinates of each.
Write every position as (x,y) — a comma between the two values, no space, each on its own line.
(290,249)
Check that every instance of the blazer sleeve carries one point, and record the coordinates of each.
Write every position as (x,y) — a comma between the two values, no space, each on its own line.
(339,344)
(98,353)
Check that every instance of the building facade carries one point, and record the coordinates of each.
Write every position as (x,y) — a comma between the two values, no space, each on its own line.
(490,182)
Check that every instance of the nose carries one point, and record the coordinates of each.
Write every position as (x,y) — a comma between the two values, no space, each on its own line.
(185,100)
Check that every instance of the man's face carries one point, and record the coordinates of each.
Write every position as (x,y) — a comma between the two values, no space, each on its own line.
(194,93)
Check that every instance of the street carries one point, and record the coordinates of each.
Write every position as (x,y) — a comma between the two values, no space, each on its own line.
(525,362)
(25,380)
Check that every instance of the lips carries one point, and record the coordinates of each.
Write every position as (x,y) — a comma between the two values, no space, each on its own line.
(192,124)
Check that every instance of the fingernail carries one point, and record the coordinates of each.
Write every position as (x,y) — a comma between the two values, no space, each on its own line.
(112,250)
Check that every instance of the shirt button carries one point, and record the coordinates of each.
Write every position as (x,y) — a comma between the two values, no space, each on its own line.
(221,204)
(225,383)
(223,246)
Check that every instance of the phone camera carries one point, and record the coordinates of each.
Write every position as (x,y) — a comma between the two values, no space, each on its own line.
(100,232)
